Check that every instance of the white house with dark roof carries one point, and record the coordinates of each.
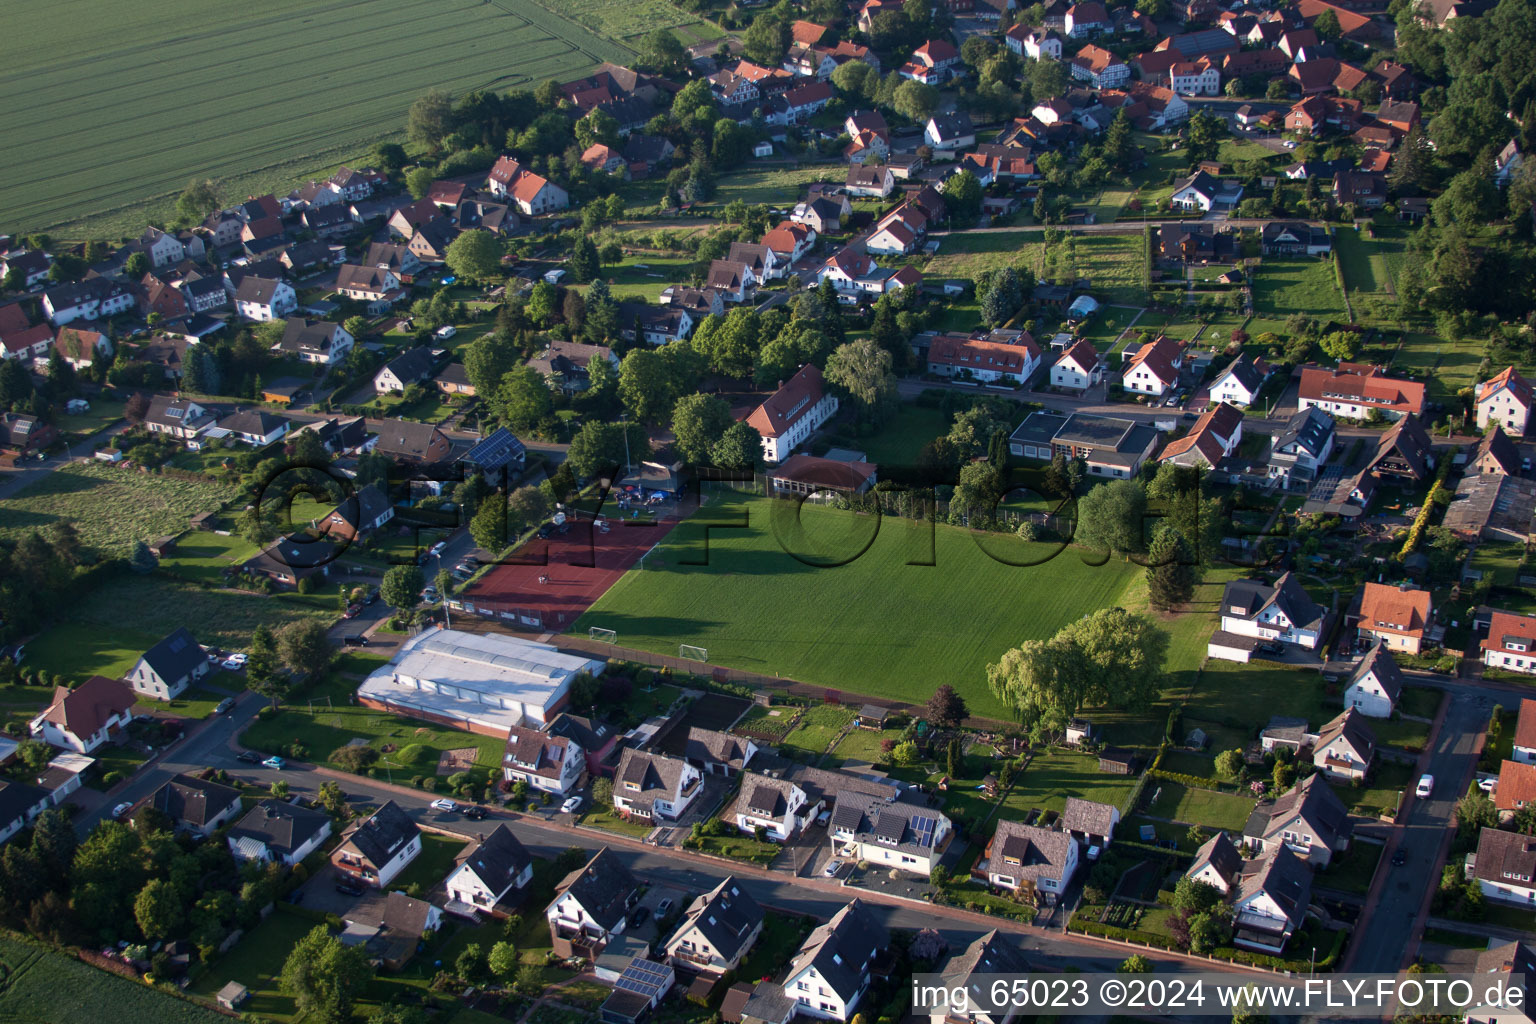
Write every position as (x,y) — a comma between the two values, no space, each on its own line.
(591,906)
(1240,382)
(379,847)
(491,871)
(972,970)
(830,974)
(1020,855)
(551,764)
(1375,684)
(1271,900)
(718,929)
(1300,450)
(654,786)
(168,668)
(1308,818)
(1283,612)
(778,806)
(277,831)
(1344,747)
(314,341)
(196,806)
(1217,863)
(711,751)
(255,427)
(263,298)
(895,834)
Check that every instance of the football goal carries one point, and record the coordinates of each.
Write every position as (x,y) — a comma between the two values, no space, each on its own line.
(692,653)
(601,635)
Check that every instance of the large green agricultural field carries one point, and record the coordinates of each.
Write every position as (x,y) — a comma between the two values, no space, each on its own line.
(44,987)
(111,506)
(122,113)
(876,624)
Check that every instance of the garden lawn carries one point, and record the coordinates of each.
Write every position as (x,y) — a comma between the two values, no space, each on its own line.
(782,935)
(776,187)
(1446,366)
(1381,792)
(902,438)
(1352,872)
(818,727)
(645,703)
(47,987)
(196,703)
(321,729)
(609,819)
(1247,696)
(249,66)
(1423,701)
(741,848)
(202,556)
(1051,778)
(432,865)
(1400,732)
(864,745)
(645,276)
(111,506)
(1299,284)
(102,414)
(877,623)
(1191,806)
(257,961)
(79,650)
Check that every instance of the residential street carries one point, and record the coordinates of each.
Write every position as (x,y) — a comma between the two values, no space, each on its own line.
(14,480)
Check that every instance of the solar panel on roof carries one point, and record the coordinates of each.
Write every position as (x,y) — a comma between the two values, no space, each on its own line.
(924,828)
(645,977)
(177,643)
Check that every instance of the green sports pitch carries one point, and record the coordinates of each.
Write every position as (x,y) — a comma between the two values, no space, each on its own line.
(884,607)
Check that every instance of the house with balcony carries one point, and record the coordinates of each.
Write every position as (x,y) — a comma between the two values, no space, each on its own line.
(1021,857)
(1344,747)
(1300,450)
(896,834)
(777,806)
(591,906)
(653,786)
(718,929)
(1271,900)
(279,832)
(379,847)
(832,971)
(493,871)
(547,763)
(1308,818)
(82,719)
(1283,611)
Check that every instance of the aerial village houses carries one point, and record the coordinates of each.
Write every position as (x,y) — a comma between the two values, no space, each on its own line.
(379,847)
(1354,391)
(1511,643)
(718,929)
(1013,361)
(591,906)
(1375,684)
(168,668)
(830,974)
(1505,400)
(654,786)
(1397,617)
(548,763)
(490,872)
(280,832)
(84,718)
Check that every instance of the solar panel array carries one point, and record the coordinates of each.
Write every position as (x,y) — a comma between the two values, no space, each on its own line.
(924,828)
(646,977)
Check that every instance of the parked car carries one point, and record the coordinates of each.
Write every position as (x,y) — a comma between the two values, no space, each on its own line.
(121,809)
(639,917)
(429,594)
(249,757)
(1488,785)
(1425,787)
(472,561)
(832,868)
(465,568)
(444,804)
(437,549)
(356,640)
(571,805)
(223,705)
(475,812)
(447,330)
(352,612)
(663,907)
(373,596)
(350,889)
(1400,857)
(235,662)
(274,762)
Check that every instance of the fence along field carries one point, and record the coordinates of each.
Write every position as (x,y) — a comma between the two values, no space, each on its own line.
(127,102)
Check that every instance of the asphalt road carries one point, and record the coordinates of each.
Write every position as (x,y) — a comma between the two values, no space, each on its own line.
(1387,934)
(14,480)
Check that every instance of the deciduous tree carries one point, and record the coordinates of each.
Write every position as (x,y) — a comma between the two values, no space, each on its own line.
(324,976)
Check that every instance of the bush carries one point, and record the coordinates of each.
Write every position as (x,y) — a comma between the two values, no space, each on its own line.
(412,753)
(353,758)
(112,778)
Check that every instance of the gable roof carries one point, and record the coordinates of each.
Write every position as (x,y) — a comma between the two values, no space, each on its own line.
(538,752)
(1283,877)
(1159,358)
(498,859)
(897,825)
(1517,786)
(707,746)
(1509,380)
(1525,725)
(1249,371)
(1088,816)
(1312,800)
(411,365)
(1250,597)
(1309,429)
(187,799)
(1408,440)
(841,949)
(1503,857)
(602,887)
(764,795)
(991,953)
(1496,445)
(176,655)
(84,710)
(1209,436)
(1350,728)
(726,917)
(786,406)
(1379,663)
(1083,354)
(1040,852)
(365,506)
(279,827)
(1221,854)
(381,835)
(656,775)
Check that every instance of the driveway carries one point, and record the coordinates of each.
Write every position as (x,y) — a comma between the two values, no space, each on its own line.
(15,480)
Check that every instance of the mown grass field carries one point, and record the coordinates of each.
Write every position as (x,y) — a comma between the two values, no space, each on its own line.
(123,111)
(1112,262)
(1297,285)
(111,506)
(44,987)
(875,624)
(633,19)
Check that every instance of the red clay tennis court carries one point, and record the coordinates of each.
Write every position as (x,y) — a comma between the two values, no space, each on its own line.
(557,579)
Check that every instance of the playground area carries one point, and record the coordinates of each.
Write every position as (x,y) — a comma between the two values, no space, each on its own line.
(548,582)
